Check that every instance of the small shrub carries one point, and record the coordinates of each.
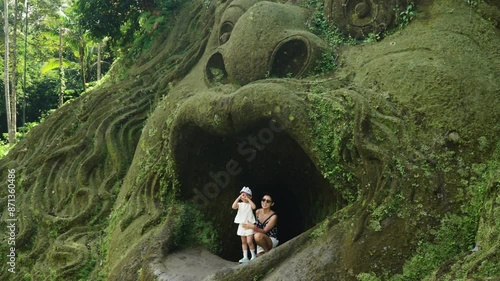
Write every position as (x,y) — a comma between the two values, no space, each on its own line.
(192,229)
(4,149)
(407,15)
(367,277)
(327,63)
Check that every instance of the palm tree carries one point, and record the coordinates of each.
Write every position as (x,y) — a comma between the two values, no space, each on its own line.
(13,94)
(8,106)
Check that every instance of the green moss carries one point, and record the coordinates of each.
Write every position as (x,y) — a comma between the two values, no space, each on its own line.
(87,269)
(367,277)
(455,235)
(319,25)
(406,15)
(458,233)
(192,229)
(390,207)
(320,230)
(103,241)
(333,124)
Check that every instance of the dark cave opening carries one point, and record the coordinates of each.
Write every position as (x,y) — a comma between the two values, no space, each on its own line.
(290,59)
(215,71)
(213,169)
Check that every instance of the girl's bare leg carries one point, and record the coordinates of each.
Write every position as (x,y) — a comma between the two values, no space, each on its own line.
(244,243)
(244,247)
(251,245)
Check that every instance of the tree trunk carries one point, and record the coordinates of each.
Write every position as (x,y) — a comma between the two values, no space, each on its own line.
(61,70)
(6,69)
(81,51)
(25,62)
(13,95)
(98,61)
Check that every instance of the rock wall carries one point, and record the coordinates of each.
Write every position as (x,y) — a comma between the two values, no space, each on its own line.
(378,164)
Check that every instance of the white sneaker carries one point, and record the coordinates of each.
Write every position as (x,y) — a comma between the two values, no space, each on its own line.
(243,260)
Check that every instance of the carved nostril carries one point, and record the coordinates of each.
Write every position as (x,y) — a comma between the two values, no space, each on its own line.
(290,59)
(215,71)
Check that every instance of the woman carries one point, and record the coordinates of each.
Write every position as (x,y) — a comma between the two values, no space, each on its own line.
(265,227)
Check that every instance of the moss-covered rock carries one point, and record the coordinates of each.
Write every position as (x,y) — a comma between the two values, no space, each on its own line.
(384,169)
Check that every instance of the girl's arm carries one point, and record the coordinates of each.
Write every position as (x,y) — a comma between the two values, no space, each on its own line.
(252,204)
(235,203)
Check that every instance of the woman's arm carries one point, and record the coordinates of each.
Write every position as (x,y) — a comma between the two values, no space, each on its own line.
(249,225)
(270,224)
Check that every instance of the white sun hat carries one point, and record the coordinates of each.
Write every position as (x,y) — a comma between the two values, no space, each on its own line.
(247,190)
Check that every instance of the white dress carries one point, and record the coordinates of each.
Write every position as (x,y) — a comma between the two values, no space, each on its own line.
(245,214)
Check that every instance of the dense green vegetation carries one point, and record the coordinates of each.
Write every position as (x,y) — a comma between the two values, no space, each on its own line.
(319,25)
(65,47)
(53,55)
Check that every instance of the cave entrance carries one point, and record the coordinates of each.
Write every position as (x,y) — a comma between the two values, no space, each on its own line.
(213,169)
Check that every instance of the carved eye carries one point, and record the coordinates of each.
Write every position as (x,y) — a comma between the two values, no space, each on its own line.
(290,58)
(231,16)
(225,32)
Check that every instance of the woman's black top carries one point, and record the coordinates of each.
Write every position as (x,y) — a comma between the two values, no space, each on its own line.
(273,232)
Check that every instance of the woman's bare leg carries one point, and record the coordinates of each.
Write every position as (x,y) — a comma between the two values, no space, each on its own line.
(264,241)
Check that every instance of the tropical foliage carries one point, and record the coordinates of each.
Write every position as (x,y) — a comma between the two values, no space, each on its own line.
(65,46)
(52,61)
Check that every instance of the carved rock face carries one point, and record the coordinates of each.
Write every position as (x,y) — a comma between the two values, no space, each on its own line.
(365,161)
(264,40)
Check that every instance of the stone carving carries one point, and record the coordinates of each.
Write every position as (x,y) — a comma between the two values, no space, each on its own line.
(368,158)
(358,18)
(264,40)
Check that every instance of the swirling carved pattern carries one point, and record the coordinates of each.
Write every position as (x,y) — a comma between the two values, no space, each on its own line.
(358,18)
(67,182)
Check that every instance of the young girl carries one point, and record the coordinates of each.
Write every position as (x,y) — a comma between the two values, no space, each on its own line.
(266,226)
(245,214)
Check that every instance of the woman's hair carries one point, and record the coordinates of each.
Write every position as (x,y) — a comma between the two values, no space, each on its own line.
(268,194)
